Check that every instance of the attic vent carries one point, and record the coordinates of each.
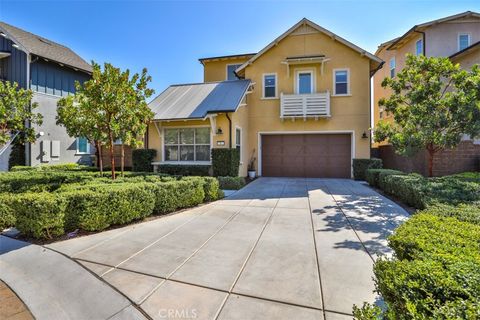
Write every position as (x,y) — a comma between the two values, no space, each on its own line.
(44,41)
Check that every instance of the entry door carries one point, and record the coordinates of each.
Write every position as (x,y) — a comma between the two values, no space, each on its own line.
(306,155)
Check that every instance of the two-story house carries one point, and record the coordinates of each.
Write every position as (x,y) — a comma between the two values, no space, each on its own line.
(50,70)
(300,107)
(456,37)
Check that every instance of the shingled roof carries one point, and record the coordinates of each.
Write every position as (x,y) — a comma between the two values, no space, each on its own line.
(44,48)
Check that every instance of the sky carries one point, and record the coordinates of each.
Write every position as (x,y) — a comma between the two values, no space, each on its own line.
(168,37)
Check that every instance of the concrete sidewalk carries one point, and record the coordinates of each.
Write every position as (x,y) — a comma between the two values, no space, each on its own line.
(56,287)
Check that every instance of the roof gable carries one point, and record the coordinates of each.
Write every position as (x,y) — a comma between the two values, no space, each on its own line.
(306,26)
(44,48)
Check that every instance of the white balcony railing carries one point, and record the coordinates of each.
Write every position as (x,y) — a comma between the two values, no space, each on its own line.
(314,105)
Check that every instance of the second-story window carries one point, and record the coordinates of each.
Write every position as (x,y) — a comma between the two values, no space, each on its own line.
(304,82)
(231,71)
(392,67)
(419,47)
(270,85)
(463,41)
(341,79)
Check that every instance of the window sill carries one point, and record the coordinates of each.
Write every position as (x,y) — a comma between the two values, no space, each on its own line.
(187,163)
(342,95)
(82,153)
(269,98)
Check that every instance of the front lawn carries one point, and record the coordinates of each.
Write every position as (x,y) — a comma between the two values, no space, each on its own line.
(45,203)
(435,271)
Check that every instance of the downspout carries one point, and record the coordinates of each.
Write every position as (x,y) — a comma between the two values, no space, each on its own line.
(424,42)
(229,130)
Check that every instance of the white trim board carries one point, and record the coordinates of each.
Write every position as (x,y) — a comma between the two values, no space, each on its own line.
(259,143)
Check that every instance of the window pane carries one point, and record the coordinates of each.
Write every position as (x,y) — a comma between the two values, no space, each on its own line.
(269,92)
(202,153)
(269,81)
(304,83)
(186,136)
(171,153)
(202,135)
(463,41)
(186,153)
(171,136)
(341,76)
(230,71)
(419,47)
(238,136)
(340,88)
(392,73)
(82,145)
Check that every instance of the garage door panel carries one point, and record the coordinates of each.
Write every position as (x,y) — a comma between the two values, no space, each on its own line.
(307,155)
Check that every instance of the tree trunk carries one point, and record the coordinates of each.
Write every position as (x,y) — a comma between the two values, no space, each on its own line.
(431,154)
(123,158)
(112,157)
(100,159)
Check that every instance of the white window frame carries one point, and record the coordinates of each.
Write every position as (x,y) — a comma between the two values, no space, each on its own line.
(313,83)
(81,152)
(226,70)
(421,48)
(394,67)
(469,40)
(237,144)
(335,82)
(185,162)
(263,85)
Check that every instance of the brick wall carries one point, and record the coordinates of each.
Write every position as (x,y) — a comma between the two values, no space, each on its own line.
(465,157)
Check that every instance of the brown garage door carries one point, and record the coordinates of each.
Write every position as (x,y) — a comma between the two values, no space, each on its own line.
(306,155)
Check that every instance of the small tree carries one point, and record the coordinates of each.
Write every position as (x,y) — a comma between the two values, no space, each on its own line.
(433,103)
(80,118)
(16,115)
(103,109)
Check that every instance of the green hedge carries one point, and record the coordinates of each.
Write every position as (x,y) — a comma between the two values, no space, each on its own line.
(360,167)
(7,214)
(184,170)
(373,175)
(231,183)
(225,162)
(435,273)
(56,167)
(142,159)
(97,206)
(463,212)
(40,215)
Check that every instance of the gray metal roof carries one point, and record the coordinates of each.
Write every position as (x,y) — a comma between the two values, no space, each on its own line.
(45,48)
(196,100)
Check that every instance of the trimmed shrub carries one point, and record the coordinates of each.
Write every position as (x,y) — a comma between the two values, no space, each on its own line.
(225,162)
(185,170)
(435,272)
(372,175)
(97,206)
(360,167)
(17,155)
(211,189)
(7,216)
(410,189)
(463,212)
(56,167)
(231,183)
(382,175)
(173,195)
(142,159)
(40,215)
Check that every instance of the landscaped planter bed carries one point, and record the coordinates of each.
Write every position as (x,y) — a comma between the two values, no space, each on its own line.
(435,271)
(45,205)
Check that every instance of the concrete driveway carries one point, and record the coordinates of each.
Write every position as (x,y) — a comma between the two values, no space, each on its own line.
(278,249)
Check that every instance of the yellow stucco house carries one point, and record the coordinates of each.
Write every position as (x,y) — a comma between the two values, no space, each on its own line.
(300,107)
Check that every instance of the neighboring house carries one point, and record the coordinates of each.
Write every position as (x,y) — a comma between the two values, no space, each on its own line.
(50,70)
(456,37)
(300,106)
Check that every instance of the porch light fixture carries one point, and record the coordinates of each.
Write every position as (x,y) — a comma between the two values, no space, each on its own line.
(219,131)
(364,135)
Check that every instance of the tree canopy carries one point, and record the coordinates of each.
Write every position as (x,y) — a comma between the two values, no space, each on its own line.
(433,103)
(16,113)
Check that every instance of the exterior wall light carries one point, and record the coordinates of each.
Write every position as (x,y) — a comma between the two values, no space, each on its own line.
(364,135)
(15,45)
(219,131)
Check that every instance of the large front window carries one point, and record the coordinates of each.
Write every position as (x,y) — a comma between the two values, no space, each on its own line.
(187,144)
